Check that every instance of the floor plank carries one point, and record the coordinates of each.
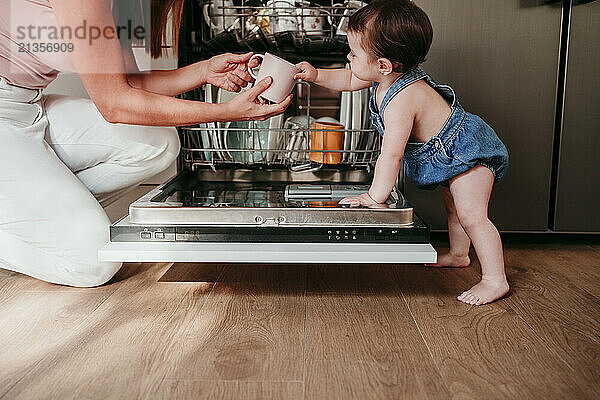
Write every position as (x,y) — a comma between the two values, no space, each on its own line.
(482,352)
(251,328)
(34,318)
(193,272)
(361,340)
(32,328)
(568,257)
(210,390)
(120,352)
(559,310)
(6,274)
(10,285)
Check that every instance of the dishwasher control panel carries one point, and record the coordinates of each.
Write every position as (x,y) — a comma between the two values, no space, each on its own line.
(127,232)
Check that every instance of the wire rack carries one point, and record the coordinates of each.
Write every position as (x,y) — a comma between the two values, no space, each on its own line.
(293,148)
(293,27)
(293,141)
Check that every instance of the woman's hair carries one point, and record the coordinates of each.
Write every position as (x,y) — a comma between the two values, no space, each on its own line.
(153,14)
(394,29)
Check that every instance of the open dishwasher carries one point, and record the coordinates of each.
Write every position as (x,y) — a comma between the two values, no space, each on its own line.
(261,191)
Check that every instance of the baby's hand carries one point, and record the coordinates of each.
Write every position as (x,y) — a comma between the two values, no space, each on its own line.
(361,200)
(307,72)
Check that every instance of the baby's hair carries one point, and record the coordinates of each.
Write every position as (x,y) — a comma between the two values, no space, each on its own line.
(394,29)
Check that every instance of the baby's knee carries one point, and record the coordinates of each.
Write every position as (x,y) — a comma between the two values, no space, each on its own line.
(471,219)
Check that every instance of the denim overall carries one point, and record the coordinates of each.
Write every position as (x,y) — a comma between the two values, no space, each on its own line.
(464,141)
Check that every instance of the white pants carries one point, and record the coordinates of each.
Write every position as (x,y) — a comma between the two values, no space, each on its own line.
(60,162)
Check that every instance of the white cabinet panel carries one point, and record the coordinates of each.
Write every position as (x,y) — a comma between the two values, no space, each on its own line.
(351,253)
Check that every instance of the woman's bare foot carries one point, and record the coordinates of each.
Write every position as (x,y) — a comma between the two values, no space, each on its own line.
(451,260)
(485,291)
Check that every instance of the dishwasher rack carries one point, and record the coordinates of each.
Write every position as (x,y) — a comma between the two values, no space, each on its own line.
(289,28)
(290,141)
(253,151)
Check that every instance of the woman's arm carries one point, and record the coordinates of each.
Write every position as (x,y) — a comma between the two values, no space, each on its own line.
(139,107)
(334,79)
(228,71)
(99,62)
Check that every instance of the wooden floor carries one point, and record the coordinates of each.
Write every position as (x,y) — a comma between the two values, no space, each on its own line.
(205,331)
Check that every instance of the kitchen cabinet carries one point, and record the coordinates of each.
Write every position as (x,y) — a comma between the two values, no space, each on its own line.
(502,58)
(578,172)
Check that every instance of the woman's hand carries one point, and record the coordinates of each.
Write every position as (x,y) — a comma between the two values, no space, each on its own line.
(307,73)
(229,71)
(246,106)
(364,200)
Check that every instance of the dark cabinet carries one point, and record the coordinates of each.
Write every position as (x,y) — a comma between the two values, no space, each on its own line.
(502,59)
(578,177)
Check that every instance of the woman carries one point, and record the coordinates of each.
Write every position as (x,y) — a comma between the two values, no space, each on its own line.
(62,159)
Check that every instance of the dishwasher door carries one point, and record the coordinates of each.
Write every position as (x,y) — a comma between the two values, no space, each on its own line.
(168,225)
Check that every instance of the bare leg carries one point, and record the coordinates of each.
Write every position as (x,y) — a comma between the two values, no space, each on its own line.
(458,256)
(471,192)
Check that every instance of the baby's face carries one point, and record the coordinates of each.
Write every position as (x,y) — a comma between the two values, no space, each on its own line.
(361,63)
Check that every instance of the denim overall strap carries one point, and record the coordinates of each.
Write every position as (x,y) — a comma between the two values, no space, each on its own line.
(402,82)
(405,80)
(445,91)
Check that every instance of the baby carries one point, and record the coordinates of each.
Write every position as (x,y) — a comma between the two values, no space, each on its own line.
(423,124)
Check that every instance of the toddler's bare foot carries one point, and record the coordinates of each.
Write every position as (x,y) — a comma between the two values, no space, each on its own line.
(451,260)
(485,291)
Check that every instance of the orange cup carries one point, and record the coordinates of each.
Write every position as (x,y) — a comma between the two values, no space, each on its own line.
(326,136)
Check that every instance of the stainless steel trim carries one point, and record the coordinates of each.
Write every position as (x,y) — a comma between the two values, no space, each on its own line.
(144,211)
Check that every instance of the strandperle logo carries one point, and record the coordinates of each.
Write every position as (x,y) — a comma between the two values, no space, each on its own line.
(82,31)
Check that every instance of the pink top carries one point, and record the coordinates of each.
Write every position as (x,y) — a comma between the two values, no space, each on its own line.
(21,22)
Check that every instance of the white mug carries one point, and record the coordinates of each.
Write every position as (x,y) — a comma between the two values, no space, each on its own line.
(349,7)
(281,71)
(220,15)
(282,15)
